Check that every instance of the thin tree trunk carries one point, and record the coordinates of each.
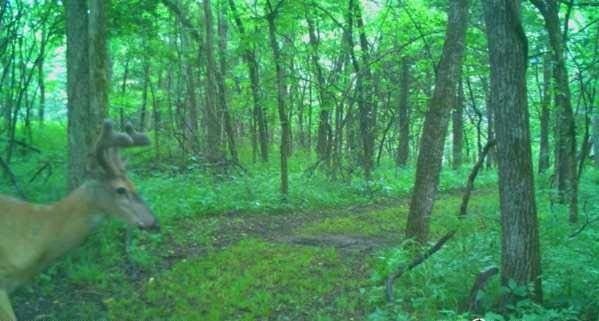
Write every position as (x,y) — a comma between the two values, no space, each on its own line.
(436,122)
(222,95)
(544,119)
(520,254)
(323,145)
(249,55)
(403,149)
(458,128)
(566,141)
(367,108)
(281,92)
(214,152)
(144,97)
(41,82)
(123,91)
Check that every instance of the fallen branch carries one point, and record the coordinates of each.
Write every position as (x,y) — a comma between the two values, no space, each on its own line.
(472,177)
(473,302)
(417,261)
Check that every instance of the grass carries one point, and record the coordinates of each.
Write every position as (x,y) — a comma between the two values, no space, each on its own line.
(251,280)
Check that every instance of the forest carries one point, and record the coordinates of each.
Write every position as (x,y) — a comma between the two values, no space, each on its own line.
(318,160)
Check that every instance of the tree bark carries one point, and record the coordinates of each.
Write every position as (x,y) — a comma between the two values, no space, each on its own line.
(281,93)
(436,121)
(457,120)
(143,111)
(403,149)
(520,254)
(544,117)
(366,94)
(214,152)
(98,58)
(82,120)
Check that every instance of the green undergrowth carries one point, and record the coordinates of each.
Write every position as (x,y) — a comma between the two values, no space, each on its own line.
(251,280)
(436,290)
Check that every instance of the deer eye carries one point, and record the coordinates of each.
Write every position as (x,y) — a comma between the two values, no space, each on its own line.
(121,191)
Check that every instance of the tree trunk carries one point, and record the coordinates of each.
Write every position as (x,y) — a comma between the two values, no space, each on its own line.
(457,120)
(41,112)
(544,119)
(281,92)
(436,122)
(144,97)
(520,256)
(222,94)
(366,106)
(214,152)
(323,144)
(98,58)
(249,55)
(123,91)
(82,120)
(566,141)
(403,148)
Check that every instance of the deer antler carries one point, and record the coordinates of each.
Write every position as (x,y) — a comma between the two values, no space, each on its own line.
(109,144)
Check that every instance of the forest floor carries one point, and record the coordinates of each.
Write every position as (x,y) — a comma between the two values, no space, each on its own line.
(315,265)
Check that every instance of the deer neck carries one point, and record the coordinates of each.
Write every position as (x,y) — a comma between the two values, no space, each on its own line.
(73,219)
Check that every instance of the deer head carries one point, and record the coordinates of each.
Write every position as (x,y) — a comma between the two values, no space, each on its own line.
(114,193)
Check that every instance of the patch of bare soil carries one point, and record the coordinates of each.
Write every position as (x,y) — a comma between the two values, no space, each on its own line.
(352,243)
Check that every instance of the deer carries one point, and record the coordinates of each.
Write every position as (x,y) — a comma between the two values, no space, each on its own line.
(32,235)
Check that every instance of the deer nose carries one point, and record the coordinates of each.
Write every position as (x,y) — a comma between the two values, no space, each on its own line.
(154,226)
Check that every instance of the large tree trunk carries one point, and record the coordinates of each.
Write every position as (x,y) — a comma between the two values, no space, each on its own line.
(81,119)
(436,122)
(520,256)
(281,93)
(98,58)
(544,117)
(457,120)
(566,141)
(403,149)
